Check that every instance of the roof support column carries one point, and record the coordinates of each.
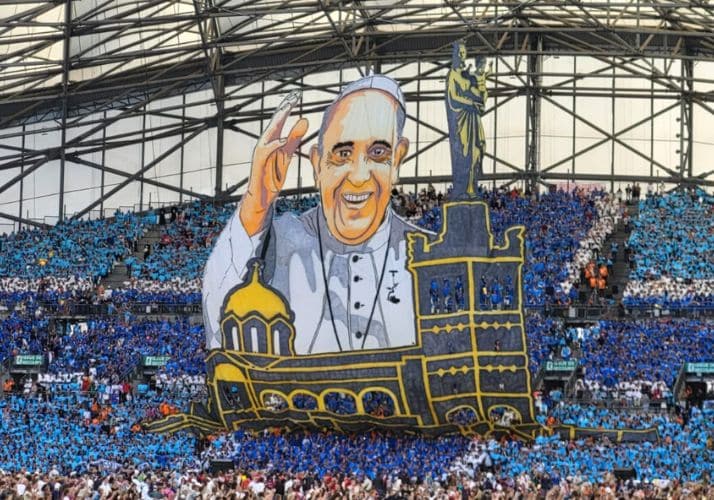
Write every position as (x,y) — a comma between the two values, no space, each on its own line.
(22,179)
(686,109)
(220,117)
(183,141)
(209,31)
(612,132)
(103,171)
(533,104)
(65,84)
(687,143)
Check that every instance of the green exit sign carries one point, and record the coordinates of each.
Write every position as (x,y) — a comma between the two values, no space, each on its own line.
(700,367)
(29,360)
(156,361)
(560,366)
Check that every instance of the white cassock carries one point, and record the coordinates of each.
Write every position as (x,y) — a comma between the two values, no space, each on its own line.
(294,267)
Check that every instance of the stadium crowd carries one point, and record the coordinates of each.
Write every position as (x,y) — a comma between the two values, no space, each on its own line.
(76,431)
(71,441)
(592,254)
(187,237)
(560,226)
(79,249)
(113,346)
(72,432)
(670,261)
(95,419)
(644,350)
(633,360)
(671,248)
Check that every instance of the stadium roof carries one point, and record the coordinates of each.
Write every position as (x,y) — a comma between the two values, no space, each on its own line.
(84,54)
(91,88)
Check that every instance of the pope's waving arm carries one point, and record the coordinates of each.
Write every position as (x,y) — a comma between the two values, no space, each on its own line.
(241,239)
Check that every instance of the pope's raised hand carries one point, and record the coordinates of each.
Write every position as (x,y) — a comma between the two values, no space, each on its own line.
(271,158)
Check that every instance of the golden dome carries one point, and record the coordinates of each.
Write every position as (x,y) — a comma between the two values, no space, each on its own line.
(254,296)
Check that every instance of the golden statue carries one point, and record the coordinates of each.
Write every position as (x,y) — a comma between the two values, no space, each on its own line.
(466,96)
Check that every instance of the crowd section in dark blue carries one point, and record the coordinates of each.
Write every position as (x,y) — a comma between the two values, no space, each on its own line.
(115,345)
(151,293)
(555,224)
(651,350)
(22,334)
(546,337)
(14,292)
(609,351)
(685,452)
(328,453)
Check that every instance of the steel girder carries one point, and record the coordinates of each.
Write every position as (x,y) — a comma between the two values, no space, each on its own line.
(276,36)
(232,44)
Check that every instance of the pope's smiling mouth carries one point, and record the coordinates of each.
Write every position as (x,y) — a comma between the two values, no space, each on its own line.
(355,200)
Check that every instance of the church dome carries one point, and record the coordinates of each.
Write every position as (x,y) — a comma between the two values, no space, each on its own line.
(254,297)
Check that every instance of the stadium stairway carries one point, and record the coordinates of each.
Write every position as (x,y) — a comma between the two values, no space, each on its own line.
(620,270)
(118,276)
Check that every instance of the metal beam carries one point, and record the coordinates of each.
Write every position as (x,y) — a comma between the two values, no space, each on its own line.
(283,41)
(137,174)
(25,172)
(21,220)
(307,43)
(146,180)
(614,138)
(687,121)
(607,138)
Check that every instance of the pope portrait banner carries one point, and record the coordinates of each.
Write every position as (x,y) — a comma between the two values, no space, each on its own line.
(347,316)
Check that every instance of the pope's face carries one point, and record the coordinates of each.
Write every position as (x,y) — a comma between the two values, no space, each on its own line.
(358,164)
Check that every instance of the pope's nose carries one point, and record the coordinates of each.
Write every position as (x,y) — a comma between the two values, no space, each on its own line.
(360,172)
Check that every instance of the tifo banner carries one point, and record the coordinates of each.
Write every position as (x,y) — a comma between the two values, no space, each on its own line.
(349,318)
(456,365)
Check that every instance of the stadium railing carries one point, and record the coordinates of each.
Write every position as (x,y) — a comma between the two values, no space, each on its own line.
(83,309)
(573,312)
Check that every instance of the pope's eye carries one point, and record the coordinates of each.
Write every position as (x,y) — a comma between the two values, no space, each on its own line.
(343,153)
(378,151)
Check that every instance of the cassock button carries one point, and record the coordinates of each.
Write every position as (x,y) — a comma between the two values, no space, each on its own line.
(356,279)
(358,335)
(358,305)
(355,258)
